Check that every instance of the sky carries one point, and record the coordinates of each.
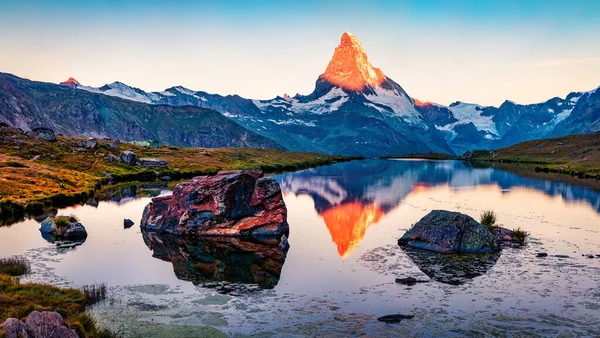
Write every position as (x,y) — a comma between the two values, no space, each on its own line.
(442,51)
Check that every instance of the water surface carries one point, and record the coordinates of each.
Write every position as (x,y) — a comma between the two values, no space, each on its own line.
(339,273)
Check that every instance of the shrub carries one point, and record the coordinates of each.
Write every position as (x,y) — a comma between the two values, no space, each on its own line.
(488,218)
(62,222)
(520,235)
(15,266)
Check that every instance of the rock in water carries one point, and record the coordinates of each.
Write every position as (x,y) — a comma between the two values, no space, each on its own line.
(70,229)
(128,157)
(231,203)
(394,318)
(449,232)
(127,223)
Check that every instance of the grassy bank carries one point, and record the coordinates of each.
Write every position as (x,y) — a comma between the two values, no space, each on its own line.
(18,300)
(36,174)
(575,155)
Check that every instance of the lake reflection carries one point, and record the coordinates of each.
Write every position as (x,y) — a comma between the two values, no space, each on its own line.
(351,197)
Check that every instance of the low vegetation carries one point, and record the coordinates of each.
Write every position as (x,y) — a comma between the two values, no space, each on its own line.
(94,293)
(15,266)
(488,218)
(575,155)
(36,174)
(18,300)
(520,235)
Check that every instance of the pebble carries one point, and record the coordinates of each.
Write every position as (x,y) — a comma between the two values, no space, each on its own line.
(542,254)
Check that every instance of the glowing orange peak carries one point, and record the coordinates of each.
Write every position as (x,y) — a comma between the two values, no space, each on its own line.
(286,96)
(348,223)
(419,103)
(349,67)
(71,81)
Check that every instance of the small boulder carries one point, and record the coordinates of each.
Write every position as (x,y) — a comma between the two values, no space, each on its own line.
(114,144)
(112,158)
(15,328)
(128,157)
(63,228)
(541,254)
(91,144)
(449,232)
(152,162)
(48,325)
(42,133)
(127,223)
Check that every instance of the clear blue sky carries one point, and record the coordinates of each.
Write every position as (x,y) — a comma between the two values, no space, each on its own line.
(475,51)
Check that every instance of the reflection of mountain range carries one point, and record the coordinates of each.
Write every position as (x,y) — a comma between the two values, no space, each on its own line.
(352,196)
(229,259)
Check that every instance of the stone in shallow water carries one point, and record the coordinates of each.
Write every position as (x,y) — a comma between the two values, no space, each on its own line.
(394,318)
(541,254)
(450,232)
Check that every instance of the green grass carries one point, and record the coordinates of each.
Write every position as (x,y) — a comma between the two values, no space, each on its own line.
(575,155)
(15,266)
(55,174)
(18,300)
(488,218)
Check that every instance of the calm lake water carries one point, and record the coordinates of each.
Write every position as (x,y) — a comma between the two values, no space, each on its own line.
(339,273)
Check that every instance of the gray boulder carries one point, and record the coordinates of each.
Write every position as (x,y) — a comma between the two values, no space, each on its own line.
(114,144)
(62,228)
(449,232)
(42,134)
(14,328)
(128,157)
(91,144)
(112,158)
(152,162)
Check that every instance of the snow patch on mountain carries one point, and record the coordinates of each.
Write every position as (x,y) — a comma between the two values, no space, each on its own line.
(471,113)
(399,104)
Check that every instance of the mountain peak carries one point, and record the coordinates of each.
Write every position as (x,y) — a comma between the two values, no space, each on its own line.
(350,68)
(70,82)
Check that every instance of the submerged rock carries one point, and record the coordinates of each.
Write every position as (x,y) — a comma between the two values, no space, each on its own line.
(231,203)
(541,254)
(394,318)
(410,281)
(62,228)
(449,232)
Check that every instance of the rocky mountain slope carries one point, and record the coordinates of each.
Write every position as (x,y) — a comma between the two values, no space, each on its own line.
(27,104)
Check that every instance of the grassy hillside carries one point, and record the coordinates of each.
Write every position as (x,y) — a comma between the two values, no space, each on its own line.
(35,174)
(577,155)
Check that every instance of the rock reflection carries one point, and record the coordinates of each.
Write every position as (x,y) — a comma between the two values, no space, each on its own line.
(216,259)
(453,269)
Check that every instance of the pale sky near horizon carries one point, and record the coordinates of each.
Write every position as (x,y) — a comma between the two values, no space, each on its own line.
(442,51)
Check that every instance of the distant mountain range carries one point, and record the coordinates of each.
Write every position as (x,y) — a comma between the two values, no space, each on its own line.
(356,110)
(27,104)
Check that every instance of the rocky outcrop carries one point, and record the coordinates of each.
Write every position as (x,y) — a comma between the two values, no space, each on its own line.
(128,157)
(449,232)
(45,134)
(231,203)
(220,259)
(91,144)
(62,228)
(152,162)
(44,324)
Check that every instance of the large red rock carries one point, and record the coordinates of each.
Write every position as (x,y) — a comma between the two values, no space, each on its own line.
(231,203)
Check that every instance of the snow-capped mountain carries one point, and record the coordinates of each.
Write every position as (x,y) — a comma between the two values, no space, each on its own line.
(356,110)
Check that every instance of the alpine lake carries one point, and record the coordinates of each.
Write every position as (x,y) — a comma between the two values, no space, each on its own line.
(339,273)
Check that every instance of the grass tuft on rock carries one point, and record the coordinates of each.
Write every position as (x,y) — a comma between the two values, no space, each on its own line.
(488,218)
(520,235)
(15,266)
